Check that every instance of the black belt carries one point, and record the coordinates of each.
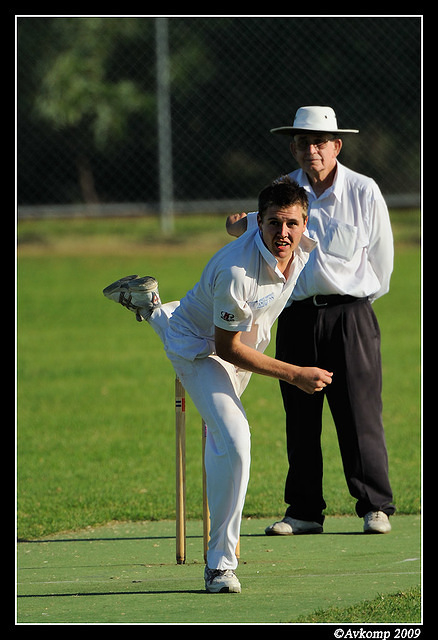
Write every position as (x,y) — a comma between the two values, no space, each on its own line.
(328,301)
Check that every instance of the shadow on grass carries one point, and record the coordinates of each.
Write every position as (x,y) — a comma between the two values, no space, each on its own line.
(114,593)
(123,539)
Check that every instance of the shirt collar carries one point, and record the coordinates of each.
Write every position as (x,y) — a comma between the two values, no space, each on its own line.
(338,182)
(266,254)
(336,187)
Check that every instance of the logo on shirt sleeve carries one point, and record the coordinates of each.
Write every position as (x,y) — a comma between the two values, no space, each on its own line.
(228,317)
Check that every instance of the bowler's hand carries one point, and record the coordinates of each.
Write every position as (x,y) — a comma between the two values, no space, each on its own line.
(312,379)
(236,224)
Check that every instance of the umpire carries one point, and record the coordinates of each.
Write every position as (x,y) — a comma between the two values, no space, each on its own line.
(330,323)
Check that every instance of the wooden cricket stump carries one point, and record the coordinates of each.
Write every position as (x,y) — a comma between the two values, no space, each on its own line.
(180,468)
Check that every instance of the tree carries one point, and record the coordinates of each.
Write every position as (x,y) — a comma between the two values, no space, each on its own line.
(83,92)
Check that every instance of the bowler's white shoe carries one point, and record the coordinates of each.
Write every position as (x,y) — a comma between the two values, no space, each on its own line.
(218,581)
(136,294)
(293,527)
(376,522)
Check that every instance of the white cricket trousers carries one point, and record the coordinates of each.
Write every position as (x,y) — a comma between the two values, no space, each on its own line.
(215,387)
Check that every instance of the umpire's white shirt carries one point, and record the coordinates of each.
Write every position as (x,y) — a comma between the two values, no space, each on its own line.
(241,289)
(355,251)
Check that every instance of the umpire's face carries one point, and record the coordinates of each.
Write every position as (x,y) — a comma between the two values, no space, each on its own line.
(281,229)
(316,153)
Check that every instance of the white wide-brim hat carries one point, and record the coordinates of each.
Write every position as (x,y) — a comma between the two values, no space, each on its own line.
(313,119)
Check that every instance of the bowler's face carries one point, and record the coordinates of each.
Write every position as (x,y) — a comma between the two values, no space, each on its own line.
(281,229)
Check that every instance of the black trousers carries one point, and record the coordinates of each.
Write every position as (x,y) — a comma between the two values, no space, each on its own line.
(342,337)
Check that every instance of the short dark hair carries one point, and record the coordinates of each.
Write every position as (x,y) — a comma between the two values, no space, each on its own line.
(283,192)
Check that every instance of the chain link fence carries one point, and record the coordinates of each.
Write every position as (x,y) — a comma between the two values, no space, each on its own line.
(135,115)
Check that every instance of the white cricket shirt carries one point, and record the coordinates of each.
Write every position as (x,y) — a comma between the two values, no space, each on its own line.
(240,289)
(355,251)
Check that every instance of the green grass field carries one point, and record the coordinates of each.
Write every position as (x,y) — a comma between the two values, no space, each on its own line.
(95,412)
(126,572)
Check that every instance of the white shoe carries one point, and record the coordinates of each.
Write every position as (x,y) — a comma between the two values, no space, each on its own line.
(136,294)
(293,527)
(376,522)
(218,581)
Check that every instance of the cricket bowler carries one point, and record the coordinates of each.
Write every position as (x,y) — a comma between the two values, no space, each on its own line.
(215,338)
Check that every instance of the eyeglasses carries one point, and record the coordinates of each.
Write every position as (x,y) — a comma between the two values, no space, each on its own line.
(319,143)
